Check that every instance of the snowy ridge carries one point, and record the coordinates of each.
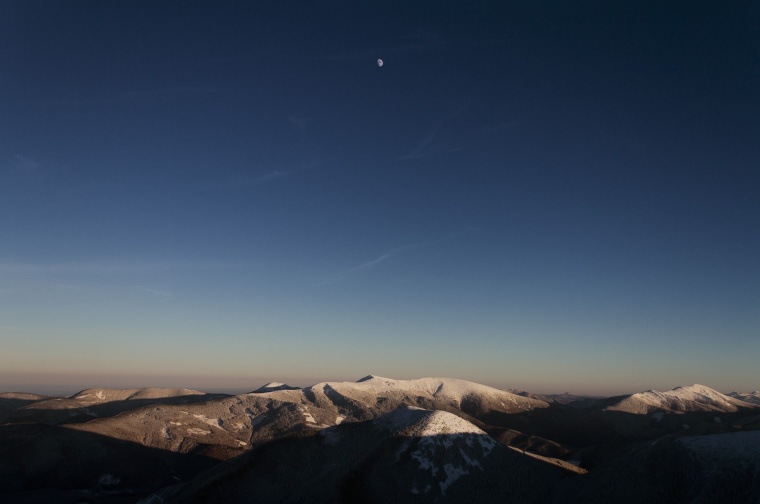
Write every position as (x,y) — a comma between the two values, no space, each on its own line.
(257,416)
(692,398)
(100,396)
(273,386)
(107,395)
(23,396)
(448,389)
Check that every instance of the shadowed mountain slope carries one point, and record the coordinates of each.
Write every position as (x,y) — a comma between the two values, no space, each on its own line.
(720,468)
(407,455)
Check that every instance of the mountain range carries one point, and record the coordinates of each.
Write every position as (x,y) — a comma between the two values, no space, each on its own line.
(379,440)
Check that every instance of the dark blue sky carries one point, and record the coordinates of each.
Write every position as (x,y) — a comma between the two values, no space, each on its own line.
(544,195)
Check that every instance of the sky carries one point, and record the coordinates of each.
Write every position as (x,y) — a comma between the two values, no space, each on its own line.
(551,196)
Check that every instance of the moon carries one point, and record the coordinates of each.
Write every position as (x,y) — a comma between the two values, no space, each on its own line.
(379,62)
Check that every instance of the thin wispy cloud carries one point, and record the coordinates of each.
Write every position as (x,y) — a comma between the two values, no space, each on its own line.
(276,174)
(103,266)
(382,258)
(20,167)
(373,262)
(416,41)
(299,122)
(178,92)
(155,292)
(25,164)
(427,146)
(421,150)
(356,270)
(129,96)
(271,176)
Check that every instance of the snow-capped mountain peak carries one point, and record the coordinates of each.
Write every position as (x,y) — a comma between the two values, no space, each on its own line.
(422,422)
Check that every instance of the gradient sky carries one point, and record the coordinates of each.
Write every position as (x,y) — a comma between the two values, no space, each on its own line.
(541,195)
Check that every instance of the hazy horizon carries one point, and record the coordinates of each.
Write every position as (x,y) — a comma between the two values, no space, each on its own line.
(67,384)
(552,197)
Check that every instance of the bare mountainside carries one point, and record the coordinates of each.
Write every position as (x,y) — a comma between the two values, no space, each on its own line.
(377,439)
(93,403)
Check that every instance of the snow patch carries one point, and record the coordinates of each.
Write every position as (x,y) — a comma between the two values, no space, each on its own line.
(452,474)
(108,479)
(217,423)
(425,463)
(469,461)
(255,419)
(307,416)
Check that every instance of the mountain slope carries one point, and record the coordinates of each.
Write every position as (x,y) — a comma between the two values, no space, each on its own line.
(101,402)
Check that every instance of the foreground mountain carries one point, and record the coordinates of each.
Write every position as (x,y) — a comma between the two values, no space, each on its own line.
(429,456)
(431,439)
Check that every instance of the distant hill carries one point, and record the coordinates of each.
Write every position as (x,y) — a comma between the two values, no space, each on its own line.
(750,397)
(691,398)
(272,386)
